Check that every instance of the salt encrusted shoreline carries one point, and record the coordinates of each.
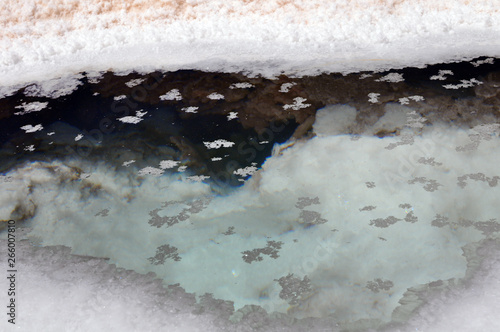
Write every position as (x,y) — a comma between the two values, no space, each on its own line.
(268,38)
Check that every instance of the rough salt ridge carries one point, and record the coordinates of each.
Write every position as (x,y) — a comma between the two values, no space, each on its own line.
(40,40)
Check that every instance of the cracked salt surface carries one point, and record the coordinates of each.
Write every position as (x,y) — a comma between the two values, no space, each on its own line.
(306,234)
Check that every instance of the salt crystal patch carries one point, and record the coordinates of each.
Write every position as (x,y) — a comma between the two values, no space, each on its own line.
(120,97)
(32,129)
(135,82)
(215,96)
(404,101)
(285,87)
(249,170)
(416,98)
(30,148)
(164,164)
(133,119)
(182,169)
(232,115)
(198,178)
(392,77)
(216,158)
(218,144)
(173,94)
(243,85)
(441,76)
(35,106)
(128,163)
(373,97)
(482,62)
(130,119)
(298,104)
(464,85)
(190,109)
(150,171)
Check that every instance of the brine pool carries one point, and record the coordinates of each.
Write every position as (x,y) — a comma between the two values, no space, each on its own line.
(346,222)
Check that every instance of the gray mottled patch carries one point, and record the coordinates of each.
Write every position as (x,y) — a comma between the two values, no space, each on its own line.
(162,253)
(484,132)
(193,208)
(429,185)
(368,208)
(293,289)
(440,221)
(406,139)
(4,178)
(229,231)
(311,218)
(437,283)
(103,213)
(370,184)
(208,303)
(428,161)
(383,223)
(487,227)
(270,250)
(378,284)
(410,217)
(306,201)
(381,238)
(492,182)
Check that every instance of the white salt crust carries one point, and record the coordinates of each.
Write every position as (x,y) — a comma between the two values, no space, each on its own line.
(40,41)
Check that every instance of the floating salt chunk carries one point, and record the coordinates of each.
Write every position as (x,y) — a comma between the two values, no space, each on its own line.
(232,115)
(482,62)
(128,163)
(135,82)
(173,94)
(164,164)
(35,106)
(285,87)
(190,109)
(373,97)
(215,96)
(32,129)
(244,85)
(392,78)
(441,76)
(150,171)
(464,85)
(133,119)
(220,143)
(298,104)
(198,178)
(246,171)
